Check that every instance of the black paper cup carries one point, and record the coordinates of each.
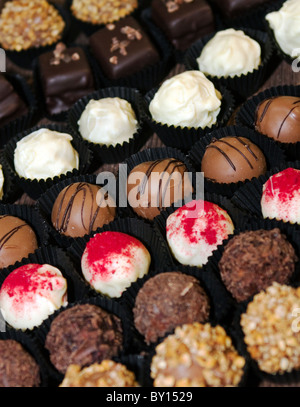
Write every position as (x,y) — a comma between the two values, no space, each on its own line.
(184,138)
(112,154)
(24,58)
(246,115)
(31,346)
(104,303)
(46,201)
(159,252)
(136,364)
(27,119)
(34,188)
(273,153)
(149,76)
(62,116)
(150,154)
(244,85)
(248,197)
(11,190)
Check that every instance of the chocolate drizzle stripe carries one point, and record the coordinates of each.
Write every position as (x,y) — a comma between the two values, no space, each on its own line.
(5,238)
(227,157)
(248,147)
(287,116)
(266,108)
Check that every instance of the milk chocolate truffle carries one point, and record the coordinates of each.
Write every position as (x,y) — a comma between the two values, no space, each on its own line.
(232,159)
(17,240)
(83,334)
(197,355)
(17,367)
(81,208)
(169,300)
(105,374)
(279,118)
(155,185)
(253,260)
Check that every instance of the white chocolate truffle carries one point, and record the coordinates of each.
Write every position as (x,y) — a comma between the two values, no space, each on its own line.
(188,99)
(281,196)
(229,53)
(1,182)
(112,261)
(31,293)
(285,24)
(44,154)
(195,230)
(108,121)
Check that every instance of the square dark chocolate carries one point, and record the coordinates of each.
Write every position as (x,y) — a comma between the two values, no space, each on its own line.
(66,79)
(183,22)
(234,8)
(11,104)
(123,48)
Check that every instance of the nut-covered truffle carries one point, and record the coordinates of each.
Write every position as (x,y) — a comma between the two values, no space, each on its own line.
(81,208)
(197,355)
(17,367)
(271,331)
(17,240)
(83,334)
(279,118)
(232,159)
(252,260)
(168,300)
(106,374)
(155,185)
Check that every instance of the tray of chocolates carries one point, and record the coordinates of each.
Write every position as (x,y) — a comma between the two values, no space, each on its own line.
(149,194)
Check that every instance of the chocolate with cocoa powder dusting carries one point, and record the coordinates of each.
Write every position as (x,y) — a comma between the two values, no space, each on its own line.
(17,367)
(253,260)
(169,300)
(83,334)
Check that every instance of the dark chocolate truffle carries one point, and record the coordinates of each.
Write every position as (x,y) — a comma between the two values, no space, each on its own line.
(17,240)
(183,22)
(279,118)
(81,208)
(155,185)
(253,260)
(169,300)
(232,159)
(11,105)
(123,48)
(65,76)
(234,8)
(17,367)
(83,334)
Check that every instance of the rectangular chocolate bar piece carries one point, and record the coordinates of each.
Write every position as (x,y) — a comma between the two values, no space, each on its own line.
(234,8)
(11,105)
(65,76)
(123,48)
(183,21)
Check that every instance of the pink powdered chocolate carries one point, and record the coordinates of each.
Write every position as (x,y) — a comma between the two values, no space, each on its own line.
(112,261)
(281,196)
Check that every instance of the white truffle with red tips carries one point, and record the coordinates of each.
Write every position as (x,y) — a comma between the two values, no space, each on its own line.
(281,196)
(30,293)
(112,261)
(195,230)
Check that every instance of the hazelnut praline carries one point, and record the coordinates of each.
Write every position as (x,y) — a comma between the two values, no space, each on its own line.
(232,159)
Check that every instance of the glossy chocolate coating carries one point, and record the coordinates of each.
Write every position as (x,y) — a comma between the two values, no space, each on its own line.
(11,105)
(119,52)
(233,8)
(76,211)
(65,82)
(279,118)
(17,240)
(232,159)
(162,183)
(183,26)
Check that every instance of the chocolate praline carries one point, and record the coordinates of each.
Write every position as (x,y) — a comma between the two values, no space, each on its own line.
(253,260)
(233,159)
(279,118)
(168,300)
(234,8)
(155,185)
(17,240)
(11,104)
(81,208)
